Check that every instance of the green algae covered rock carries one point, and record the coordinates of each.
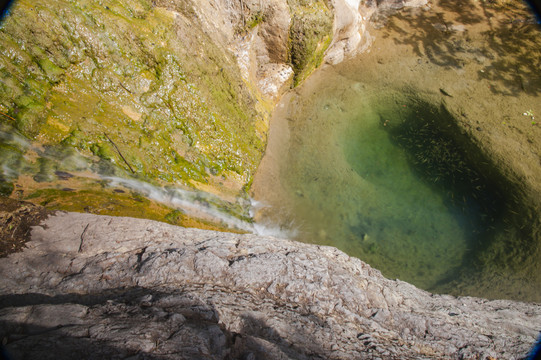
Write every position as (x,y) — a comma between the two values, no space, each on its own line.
(310,34)
(133,83)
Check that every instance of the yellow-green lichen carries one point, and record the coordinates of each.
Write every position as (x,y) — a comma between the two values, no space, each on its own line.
(132,70)
(137,87)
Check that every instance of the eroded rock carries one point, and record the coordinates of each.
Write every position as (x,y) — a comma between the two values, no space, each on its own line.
(96,286)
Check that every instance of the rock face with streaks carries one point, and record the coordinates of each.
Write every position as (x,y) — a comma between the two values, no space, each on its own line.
(178,92)
(93,286)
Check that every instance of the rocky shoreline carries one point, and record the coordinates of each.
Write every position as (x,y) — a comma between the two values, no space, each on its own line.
(92,286)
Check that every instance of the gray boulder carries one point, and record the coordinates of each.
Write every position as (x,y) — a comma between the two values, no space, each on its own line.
(94,287)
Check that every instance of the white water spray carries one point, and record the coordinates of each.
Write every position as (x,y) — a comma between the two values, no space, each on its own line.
(196,204)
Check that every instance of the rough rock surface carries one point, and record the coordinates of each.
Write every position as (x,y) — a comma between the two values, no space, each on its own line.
(350,31)
(95,286)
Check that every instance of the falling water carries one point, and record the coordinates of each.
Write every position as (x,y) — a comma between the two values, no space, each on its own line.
(46,165)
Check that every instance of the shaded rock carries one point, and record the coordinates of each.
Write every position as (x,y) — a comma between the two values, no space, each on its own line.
(146,289)
(349,31)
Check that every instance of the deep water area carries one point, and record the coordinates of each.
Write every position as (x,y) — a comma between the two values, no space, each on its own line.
(389,178)
(424,203)
(420,156)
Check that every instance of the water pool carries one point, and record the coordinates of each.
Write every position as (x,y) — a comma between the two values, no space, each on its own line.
(389,178)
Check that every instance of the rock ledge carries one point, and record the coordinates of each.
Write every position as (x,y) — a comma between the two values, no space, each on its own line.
(96,286)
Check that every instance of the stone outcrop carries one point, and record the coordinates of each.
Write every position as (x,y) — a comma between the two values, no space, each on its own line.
(93,286)
(155,88)
(176,92)
(350,25)
(349,31)
(158,77)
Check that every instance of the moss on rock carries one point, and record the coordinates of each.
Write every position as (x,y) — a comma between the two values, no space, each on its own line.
(310,35)
(139,87)
(71,70)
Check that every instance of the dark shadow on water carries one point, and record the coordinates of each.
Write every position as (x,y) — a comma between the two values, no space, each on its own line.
(428,135)
(473,188)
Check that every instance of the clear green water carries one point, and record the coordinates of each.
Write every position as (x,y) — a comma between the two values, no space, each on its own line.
(358,185)
(385,177)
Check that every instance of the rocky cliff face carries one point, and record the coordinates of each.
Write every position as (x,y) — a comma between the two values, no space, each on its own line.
(155,80)
(180,93)
(172,93)
(93,286)
(176,92)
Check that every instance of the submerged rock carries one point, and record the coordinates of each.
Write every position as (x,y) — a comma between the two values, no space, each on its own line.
(97,286)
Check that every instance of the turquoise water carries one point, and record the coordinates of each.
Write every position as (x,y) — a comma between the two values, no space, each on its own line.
(402,223)
(387,178)
(359,185)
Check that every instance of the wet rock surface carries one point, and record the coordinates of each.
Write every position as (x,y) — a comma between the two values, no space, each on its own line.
(173,93)
(92,286)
